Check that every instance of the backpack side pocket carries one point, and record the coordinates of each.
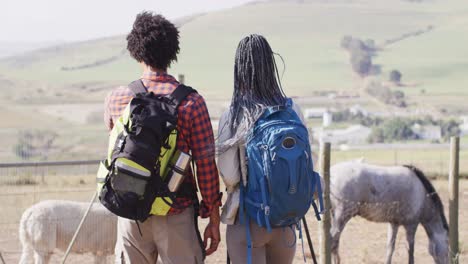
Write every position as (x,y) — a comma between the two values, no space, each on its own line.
(102,173)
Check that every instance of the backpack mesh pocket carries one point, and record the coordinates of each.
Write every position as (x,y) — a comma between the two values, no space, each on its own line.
(129,177)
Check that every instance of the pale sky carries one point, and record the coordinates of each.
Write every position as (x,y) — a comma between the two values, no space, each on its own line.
(72,20)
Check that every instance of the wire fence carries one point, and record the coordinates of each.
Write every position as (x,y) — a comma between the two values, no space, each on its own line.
(434,162)
(25,184)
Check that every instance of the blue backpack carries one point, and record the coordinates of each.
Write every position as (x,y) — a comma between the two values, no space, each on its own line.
(281,177)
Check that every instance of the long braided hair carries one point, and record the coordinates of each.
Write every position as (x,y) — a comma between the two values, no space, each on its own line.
(257,85)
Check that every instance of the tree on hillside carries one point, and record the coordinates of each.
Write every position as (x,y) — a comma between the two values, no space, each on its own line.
(361,63)
(395,76)
(361,53)
(385,94)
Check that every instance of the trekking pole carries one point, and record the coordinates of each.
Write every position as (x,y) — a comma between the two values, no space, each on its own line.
(311,247)
(1,258)
(79,228)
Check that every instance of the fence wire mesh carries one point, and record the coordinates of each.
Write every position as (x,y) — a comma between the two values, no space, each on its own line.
(361,242)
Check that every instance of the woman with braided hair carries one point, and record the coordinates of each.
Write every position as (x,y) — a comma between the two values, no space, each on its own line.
(257,86)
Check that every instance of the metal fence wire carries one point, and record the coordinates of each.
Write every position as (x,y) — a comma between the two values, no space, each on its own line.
(23,185)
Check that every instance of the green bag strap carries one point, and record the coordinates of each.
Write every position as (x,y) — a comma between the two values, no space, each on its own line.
(137,87)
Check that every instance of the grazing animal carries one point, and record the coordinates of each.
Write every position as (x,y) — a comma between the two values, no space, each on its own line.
(399,195)
(50,225)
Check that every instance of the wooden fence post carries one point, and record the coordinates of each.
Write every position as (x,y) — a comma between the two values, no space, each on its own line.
(453,199)
(325,239)
(181,78)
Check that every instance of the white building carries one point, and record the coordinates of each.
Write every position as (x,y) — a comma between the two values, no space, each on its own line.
(327,119)
(353,135)
(314,112)
(427,132)
(464,125)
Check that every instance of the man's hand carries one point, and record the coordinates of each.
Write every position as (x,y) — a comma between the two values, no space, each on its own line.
(212,233)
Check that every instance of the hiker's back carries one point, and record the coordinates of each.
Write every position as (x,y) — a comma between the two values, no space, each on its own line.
(172,232)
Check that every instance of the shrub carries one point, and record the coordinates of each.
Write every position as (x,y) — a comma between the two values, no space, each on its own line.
(347,116)
(34,144)
(395,76)
(400,129)
(345,42)
(385,94)
(449,128)
(376,136)
(392,130)
(23,181)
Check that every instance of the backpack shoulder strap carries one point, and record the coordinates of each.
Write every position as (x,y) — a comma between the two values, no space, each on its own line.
(180,93)
(137,87)
(275,108)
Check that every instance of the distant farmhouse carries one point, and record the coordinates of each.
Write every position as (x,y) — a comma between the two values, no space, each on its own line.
(314,112)
(353,135)
(427,132)
(324,113)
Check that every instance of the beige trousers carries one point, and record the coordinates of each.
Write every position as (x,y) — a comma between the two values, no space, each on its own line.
(277,247)
(173,238)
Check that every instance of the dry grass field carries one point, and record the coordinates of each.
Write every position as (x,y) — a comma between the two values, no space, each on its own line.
(362,241)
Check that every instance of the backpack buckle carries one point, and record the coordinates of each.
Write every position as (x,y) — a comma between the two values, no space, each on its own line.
(121,143)
(267,210)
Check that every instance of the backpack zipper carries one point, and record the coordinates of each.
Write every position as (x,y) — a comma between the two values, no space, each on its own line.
(264,147)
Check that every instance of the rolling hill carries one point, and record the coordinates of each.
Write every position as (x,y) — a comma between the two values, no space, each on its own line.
(61,88)
(307,34)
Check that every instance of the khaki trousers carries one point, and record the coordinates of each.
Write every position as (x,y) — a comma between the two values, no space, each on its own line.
(277,247)
(173,238)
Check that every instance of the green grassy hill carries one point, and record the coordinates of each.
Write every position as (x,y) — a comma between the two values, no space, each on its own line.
(39,91)
(306,34)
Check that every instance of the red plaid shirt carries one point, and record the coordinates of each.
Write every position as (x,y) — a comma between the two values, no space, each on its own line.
(194,133)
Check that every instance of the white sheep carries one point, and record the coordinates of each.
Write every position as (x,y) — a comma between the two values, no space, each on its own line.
(50,225)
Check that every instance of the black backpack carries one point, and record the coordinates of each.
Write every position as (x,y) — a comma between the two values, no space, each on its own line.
(139,141)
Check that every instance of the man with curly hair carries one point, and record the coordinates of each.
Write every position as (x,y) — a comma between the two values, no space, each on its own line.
(154,43)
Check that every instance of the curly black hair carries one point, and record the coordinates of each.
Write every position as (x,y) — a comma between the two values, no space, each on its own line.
(153,40)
